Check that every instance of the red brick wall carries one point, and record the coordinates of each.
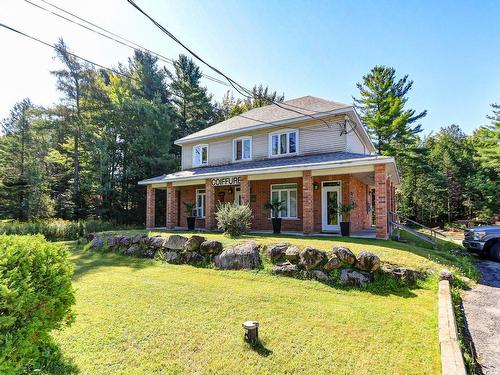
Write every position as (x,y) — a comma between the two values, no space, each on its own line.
(150,207)
(359,217)
(381,200)
(261,191)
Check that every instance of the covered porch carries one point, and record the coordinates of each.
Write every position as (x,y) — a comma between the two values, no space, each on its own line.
(311,196)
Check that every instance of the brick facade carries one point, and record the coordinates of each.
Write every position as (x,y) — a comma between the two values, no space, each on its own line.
(308,202)
(150,207)
(381,200)
(258,192)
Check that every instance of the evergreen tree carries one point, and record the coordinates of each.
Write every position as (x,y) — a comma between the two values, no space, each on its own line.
(382,104)
(71,82)
(194,110)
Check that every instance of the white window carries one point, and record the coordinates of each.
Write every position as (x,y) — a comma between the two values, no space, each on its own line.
(242,148)
(200,203)
(287,194)
(283,143)
(200,155)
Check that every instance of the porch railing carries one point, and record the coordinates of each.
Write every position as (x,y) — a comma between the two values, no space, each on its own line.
(399,221)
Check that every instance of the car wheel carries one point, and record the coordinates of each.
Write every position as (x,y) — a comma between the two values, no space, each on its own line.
(495,252)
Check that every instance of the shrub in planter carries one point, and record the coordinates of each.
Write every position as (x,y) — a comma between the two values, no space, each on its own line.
(232,219)
(191,217)
(275,206)
(35,298)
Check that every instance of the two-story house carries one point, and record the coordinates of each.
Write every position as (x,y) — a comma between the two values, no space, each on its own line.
(311,164)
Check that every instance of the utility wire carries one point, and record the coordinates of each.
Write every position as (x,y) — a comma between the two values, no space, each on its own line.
(238,87)
(131,44)
(117,72)
(123,41)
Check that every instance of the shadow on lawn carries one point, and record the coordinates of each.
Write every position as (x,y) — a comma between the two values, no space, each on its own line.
(260,349)
(89,261)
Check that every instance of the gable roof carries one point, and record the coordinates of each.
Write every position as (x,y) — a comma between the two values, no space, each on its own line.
(270,115)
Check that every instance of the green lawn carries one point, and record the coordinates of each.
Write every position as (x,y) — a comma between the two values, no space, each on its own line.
(143,316)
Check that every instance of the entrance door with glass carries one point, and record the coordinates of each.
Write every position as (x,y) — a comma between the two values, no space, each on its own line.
(330,200)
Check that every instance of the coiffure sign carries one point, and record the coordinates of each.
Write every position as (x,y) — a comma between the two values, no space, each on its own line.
(226,181)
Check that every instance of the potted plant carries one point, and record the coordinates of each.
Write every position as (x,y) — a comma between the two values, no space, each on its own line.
(191,217)
(345,225)
(275,206)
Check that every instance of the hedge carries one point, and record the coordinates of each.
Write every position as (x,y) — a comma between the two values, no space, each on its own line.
(36,297)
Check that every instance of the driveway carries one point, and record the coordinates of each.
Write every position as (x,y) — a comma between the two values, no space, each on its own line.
(482,311)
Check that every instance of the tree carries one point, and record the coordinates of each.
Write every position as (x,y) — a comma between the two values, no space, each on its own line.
(382,104)
(260,96)
(71,83)
(24,192)
(193,107)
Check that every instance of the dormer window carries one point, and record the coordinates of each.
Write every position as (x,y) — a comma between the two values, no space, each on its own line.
(242,149)
(283,143)
(200,155)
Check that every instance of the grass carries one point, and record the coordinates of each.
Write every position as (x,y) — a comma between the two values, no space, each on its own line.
(137,316)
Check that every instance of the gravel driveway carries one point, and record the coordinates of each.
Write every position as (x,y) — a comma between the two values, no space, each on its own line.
(482,311)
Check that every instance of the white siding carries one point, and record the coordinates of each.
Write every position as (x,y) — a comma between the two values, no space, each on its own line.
(354,144)
(314,138)
(317,139)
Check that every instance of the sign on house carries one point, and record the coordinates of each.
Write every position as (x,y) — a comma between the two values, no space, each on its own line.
(226,181)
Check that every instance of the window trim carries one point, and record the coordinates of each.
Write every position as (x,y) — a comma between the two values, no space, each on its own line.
(201,145)
(296,189)
(242,139)
(287,132)
(204,194)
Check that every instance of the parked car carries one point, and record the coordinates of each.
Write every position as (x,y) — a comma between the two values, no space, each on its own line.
(484,240)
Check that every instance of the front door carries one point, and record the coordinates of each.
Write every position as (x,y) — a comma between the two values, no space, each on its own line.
(330,200)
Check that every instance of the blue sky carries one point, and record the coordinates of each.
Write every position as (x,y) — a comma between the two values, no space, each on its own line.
(451,49)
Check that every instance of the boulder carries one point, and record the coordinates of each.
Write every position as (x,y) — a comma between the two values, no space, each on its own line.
(193,243)
(319,276)
(138,239)
(112,242)
(176,242)
(191,257)
(124,241)
(148,252)
(286,269)
(96,242)
(210,247)
(444,274)
(242,256)
(312,258)
(292,254)
(332,263)
(344,254)
(401,274)
(277,251)
(367,261)
(171,257)
(133,250)
(157,241)
(355,278)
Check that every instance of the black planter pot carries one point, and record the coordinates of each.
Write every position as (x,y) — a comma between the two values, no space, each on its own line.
(276,225)
(191,221)
(345,228)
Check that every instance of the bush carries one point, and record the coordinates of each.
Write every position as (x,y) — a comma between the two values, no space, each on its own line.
(58,230)
(233,220)
(35,298)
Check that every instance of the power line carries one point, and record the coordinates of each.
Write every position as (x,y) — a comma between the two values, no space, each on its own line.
(135,79)
(123,41)
(232,82)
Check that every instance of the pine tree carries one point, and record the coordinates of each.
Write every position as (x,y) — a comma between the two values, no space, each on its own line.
(194,110)
(382,104)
